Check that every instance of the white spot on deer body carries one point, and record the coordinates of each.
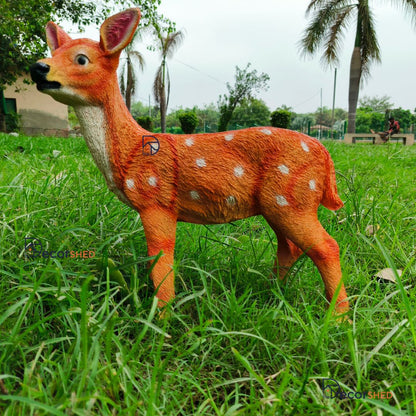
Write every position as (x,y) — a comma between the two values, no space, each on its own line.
(189,141)
(312,185)
(284,169)
(231,200)
(152,181)
(281,200)
(194,195)
(130,183)
(229,137)
(239,171)
(201,163)
(266,131)
(305,147)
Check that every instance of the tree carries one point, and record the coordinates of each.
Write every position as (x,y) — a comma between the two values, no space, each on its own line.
(250,113)
(367,120)
(379,104)
(323,116)
(208,117)
(280,118)
(301,122)
(167,44)
(189,121)
(247,83)
(329,20)
(405,117)
(128,79)
(138,109)
(340,114)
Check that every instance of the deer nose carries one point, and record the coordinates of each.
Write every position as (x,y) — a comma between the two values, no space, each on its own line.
(38,71)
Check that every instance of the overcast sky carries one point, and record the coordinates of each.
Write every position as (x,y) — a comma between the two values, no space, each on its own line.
(220,34)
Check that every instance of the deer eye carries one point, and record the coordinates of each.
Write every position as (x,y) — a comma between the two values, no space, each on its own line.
(81,60)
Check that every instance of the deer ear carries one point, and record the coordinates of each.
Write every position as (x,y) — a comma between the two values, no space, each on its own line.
(118,30)
(55,36)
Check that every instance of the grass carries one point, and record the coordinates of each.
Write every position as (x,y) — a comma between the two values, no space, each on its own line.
(75,342)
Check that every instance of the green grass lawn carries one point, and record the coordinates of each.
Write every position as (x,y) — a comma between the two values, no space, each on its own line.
(74,342)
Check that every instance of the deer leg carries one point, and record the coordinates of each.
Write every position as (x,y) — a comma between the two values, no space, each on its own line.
(309,236)
(287,254)
(160,230)
(325,255)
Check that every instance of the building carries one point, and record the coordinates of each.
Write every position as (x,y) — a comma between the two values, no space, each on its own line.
(40,113)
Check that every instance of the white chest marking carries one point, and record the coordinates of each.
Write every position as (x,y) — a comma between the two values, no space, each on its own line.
(94,127)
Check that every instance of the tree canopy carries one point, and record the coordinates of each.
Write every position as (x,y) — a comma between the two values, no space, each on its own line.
(247,84)
(380,104)
(250,113)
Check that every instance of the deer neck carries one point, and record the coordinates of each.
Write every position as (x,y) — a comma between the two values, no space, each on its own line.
(111,135)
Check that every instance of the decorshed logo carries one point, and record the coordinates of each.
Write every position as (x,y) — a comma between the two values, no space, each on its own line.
(150,145)
(332,390)
(34,249)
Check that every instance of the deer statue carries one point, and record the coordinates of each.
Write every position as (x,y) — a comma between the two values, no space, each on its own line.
(208,178)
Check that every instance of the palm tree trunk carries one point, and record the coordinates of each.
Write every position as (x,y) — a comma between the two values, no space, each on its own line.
(163,110)
(162,119)
(163,105)
(355,77)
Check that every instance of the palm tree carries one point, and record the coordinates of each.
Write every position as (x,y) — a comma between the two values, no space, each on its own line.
(128,80)
(330,18)
(161,86)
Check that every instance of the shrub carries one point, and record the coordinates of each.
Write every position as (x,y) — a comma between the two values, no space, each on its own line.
(280,118)
(13,122)
(188,121)
(146,122)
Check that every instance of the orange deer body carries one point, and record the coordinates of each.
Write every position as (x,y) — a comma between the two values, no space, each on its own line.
(202,178)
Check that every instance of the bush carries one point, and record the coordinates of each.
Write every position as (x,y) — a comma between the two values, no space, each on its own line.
(280,118)
(13,122)
(188,121)
(146,122)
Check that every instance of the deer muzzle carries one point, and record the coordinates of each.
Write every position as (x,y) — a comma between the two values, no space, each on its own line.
(38,72)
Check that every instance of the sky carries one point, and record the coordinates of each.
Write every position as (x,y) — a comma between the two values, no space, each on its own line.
(220,34)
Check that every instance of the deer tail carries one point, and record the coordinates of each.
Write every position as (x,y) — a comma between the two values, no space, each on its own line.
(330,197)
